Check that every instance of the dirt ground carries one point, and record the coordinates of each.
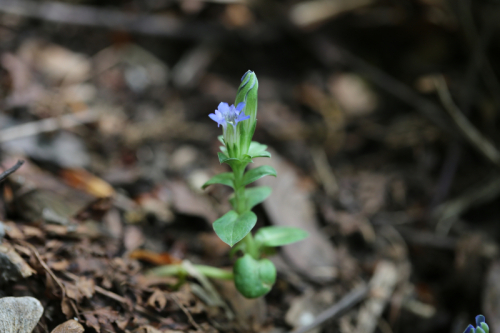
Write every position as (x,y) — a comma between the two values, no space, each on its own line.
(382,119)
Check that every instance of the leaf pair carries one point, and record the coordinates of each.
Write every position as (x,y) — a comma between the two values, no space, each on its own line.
(232,228)
(227,178)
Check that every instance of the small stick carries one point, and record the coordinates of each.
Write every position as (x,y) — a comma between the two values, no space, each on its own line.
(48,125)
(471,133)
(58,12)
(347,302)
(186,312)
(11,170)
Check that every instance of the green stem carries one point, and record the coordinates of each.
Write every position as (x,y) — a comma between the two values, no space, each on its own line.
(241,207)
(176,270)
(239,189)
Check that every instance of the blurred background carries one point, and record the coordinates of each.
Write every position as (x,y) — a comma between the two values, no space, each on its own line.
(381,115)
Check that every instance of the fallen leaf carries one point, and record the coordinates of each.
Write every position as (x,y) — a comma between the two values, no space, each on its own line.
(70,326)
(154,258)
(13,266)
(157,300)
(84,180)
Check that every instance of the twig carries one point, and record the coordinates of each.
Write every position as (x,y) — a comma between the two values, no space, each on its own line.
(186,312)
(108,18)
(481,143)
(11,170)
(347,302)
(382,283)
(447,212)
(48,125)
(52,275)
(325,171)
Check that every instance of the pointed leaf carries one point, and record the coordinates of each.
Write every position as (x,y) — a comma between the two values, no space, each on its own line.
(232,228)
(278,236)
(264,153)
(255,195)
(223,158)
(226,178)
(257,173)
(258,150)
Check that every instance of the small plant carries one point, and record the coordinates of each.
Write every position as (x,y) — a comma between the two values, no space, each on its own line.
(481,326)
(253,274)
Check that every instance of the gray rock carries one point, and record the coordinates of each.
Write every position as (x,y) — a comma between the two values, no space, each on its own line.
(19,314)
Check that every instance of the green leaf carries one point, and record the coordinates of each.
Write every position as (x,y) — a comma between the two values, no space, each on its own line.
(226,178)
(223,158)
(254,196)
(231,228)
(221,139)
(264,153)
(234,162)
(253,278)
(257,173)
(278,236)
(258,150)
(223,149)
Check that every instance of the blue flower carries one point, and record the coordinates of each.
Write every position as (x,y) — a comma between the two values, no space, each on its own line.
(226,114)
(481,326)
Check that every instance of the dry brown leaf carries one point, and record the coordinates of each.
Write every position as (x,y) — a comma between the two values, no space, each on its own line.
(66,307)
(147,329)
(85,181)
(154,258)
(187,202)
(70,326)
(133,238)
(158,300)
(92,321)
(13,231)
(13,267)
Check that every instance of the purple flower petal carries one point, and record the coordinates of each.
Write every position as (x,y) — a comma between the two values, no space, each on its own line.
(229,114)
(242,117)
(223,107)
(469,329)
(240,106)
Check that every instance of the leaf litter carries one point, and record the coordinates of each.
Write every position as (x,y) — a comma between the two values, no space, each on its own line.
(115,132)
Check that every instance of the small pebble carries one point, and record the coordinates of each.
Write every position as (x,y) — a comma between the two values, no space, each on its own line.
(19,314)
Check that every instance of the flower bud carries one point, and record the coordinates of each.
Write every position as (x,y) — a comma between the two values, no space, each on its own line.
(247,93)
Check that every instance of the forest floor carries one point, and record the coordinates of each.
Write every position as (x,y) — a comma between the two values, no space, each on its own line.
(381,117)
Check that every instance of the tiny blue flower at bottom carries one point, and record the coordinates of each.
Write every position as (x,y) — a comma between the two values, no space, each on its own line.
(481,326)
(229,114)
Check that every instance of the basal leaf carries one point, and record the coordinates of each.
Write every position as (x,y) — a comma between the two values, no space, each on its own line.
(257,173)
(226,178)
(232,228)
(278,236)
